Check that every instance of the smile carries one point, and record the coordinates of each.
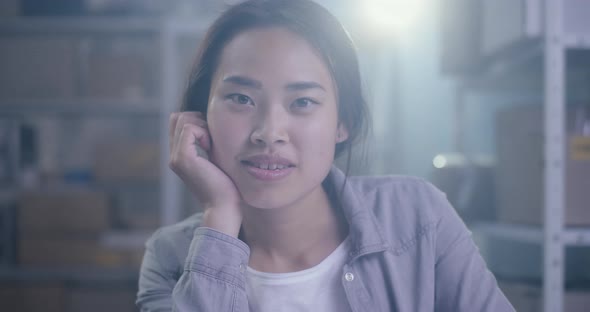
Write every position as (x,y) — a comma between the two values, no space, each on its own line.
(268,167)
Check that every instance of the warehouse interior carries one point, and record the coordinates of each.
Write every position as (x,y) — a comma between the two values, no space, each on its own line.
(489,100)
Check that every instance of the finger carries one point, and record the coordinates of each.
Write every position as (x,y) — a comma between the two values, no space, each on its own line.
(194,135)
(179,126)
(194,114)
(190,140)
(202,135)
(171,128)
(188,117)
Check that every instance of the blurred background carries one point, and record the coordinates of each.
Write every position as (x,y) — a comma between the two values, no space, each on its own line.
(488,99)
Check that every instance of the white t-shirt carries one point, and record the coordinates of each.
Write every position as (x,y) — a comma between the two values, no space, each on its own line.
(318,288)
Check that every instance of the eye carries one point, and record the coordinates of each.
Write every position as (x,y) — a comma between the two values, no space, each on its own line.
(240,99)
(303,103)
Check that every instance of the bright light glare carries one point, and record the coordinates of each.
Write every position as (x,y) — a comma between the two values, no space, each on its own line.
(392,15)
(439,161)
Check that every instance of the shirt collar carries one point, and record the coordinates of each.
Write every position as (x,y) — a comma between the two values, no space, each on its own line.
(364,232)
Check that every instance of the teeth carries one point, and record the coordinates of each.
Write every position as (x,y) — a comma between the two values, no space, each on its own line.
(270,166)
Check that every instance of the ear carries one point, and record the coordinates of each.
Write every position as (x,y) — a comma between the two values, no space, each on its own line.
(341,133)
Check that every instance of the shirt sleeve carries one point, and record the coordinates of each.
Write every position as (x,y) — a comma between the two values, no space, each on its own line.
(463,281)
(213,278)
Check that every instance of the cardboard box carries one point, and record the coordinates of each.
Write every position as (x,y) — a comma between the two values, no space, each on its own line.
(529,298)
(39,297)
(127,161)
(116,299)
(55,296)
(70,210)
(10,8)
(517,260)
(36,67)
(120,68)
(7,234)
(520,170)
(74,252)
(137,208)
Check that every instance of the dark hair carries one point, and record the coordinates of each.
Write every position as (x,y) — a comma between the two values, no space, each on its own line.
(307,19)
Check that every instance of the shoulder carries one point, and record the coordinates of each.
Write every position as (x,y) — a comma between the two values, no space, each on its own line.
(404,207)
(395,184)
(399,193)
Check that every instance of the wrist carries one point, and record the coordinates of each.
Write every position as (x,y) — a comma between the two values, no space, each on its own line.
(223,219)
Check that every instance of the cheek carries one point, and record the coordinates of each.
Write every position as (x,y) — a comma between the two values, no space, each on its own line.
(227,136)
(319,137)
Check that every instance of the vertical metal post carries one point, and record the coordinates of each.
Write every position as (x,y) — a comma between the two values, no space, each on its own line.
(554,115)
(387,109)
(459,118)
(170,203)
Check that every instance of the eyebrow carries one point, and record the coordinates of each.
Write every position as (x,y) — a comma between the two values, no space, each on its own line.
(244,81)
(303,85)
(252,83)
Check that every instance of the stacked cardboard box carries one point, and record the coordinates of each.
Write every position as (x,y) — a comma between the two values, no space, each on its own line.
(47,297)
(134,164)
(529,297)
(62,228)
(65,67)
(37,67)
(119,68)
(67,210)
(66,297)
(520,169)
(137,208)
(99,299)
(127,161)
(9,8)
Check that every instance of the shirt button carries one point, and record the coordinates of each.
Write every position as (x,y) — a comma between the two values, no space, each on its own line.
(349,276)
(242,268)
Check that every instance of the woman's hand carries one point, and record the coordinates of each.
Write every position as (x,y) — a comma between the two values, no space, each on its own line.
(190,144)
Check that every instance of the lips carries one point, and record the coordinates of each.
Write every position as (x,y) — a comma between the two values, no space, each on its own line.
(268,167)
(268,162)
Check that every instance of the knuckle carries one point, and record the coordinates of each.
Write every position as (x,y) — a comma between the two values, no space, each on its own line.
(174,164)
(188,127)
(180,118)
(174,118)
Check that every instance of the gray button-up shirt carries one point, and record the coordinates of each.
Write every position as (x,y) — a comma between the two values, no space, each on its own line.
(410,251)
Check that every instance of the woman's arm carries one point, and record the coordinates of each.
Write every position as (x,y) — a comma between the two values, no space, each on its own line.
(463,282)
(213,271)
(213,278)
(156,280)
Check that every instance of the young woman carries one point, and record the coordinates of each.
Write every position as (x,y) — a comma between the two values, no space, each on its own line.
(274,97)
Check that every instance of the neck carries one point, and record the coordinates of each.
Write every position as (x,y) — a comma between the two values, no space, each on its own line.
(295,237)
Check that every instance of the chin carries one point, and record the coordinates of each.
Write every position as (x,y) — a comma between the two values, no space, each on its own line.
(265,200)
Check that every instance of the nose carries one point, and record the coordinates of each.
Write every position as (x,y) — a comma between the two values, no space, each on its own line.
(270,129)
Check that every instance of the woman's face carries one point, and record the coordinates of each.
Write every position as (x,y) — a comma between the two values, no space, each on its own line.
(273,117)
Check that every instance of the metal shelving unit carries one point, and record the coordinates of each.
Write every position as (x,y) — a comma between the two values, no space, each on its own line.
(73,275)
(165,32)
(554,123)
(532,234)
(551,45)
(80,107)
(79,25)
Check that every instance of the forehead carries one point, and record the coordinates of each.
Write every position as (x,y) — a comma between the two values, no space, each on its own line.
(273,55)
